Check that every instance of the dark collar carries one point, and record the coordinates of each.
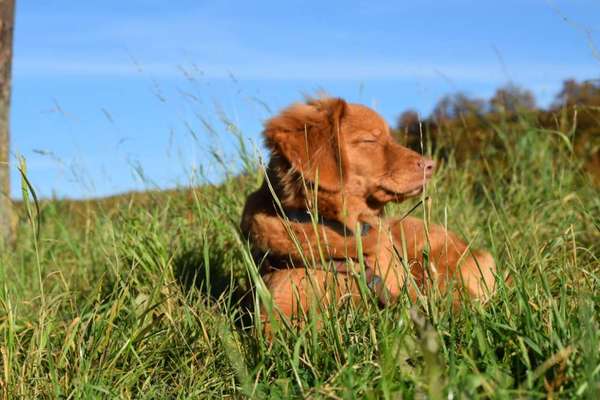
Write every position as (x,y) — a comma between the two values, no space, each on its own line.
(304,216)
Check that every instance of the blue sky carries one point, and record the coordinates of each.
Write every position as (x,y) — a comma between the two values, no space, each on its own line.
(124,95)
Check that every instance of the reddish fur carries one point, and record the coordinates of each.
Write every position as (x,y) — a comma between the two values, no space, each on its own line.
(359,168)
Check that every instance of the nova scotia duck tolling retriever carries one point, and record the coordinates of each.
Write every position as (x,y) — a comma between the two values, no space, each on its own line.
(333,168)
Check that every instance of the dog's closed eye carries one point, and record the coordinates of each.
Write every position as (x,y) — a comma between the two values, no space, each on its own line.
(366,140)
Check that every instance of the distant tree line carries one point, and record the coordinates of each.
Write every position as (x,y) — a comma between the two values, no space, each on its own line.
(464,125)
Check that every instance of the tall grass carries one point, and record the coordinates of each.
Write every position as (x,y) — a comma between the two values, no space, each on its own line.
(136,296)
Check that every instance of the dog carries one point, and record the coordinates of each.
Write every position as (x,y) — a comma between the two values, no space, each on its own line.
(318,215)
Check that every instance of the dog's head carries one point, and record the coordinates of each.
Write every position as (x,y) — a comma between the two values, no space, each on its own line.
(347,149)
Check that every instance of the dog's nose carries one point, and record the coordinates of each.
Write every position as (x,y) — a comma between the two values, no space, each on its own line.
(428,165)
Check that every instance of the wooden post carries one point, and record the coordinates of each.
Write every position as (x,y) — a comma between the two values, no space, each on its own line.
(7,18)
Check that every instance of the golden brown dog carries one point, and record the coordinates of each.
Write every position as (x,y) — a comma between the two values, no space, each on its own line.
(333,167)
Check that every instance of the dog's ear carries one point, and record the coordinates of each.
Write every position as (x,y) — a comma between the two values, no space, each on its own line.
(308,136)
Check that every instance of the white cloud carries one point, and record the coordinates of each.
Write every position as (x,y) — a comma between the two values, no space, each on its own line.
(61,67)
(315,70)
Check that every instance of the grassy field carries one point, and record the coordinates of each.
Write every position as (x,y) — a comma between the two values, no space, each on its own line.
(99,301)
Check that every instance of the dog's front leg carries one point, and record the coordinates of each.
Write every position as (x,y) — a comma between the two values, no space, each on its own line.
(389,276)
